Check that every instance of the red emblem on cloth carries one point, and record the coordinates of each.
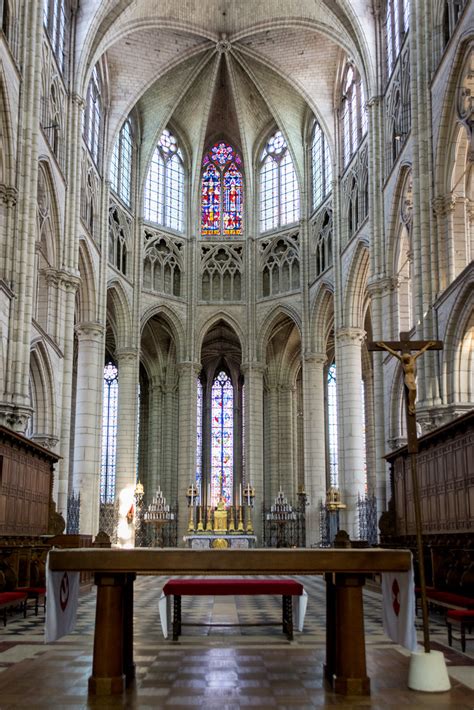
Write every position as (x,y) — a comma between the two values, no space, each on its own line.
(395,593)
(64,591)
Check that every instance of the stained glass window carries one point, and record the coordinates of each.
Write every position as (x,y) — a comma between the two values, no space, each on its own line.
(92,116)
(199,437)
(353,113)
(332,426)
(279,193)
(222,438)
(164,186)
(321,166)
(54,20)
(221,192)
(121,164)
(109,434)
(397,18)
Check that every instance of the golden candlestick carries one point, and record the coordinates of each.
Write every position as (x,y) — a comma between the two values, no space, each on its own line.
(191,519)
(249,521)
(231,523)
(200,527)
(209,520)
(240,528)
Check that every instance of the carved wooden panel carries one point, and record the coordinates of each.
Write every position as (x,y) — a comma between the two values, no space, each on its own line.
(445,464)
(26,481)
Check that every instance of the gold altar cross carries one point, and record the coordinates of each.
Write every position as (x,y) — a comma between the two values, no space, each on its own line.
(402,349)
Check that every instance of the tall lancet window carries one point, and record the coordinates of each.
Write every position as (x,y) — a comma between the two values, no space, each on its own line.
(199,438)
(109,434)
(279,193)
(332,426)
(222,438)
(164,186)
(222,193)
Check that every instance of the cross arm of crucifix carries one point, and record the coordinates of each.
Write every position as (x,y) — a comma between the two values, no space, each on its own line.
(405,345)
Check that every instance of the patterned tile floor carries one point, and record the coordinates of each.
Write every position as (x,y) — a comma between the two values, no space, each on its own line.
(219,667)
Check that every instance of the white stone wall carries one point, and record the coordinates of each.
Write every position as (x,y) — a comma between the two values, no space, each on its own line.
(279,332)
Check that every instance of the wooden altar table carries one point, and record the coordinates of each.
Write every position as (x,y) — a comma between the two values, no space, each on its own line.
(344,570)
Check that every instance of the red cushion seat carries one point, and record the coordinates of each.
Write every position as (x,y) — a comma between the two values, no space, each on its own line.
(11,597)
(461,614)
(227,587)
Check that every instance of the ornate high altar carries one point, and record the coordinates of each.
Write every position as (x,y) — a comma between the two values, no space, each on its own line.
(223,526)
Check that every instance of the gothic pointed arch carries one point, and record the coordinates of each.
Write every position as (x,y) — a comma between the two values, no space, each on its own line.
(356,287)
(322,318)
(43,393)
(118,313)
(275,315)
(86,296)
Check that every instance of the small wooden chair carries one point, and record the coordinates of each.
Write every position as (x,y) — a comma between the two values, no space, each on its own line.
(462,619)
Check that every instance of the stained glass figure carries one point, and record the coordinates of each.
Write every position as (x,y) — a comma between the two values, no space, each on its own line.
(199,437)
(332,427)
(210,201)
(221,192)
(109,434)
(222,439)
(232,201)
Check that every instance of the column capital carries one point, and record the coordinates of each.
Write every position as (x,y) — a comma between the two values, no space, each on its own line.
(188,366)
(249,367)
(374,101)
(443,204)
(127,355)
(8,195)
(89,331)
(379,285)
(78,100)
(351,335)
(315,358)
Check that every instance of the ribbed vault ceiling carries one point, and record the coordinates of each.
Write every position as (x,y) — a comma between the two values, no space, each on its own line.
(213,69)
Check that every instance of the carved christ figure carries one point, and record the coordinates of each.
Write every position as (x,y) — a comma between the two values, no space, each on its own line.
(409,369)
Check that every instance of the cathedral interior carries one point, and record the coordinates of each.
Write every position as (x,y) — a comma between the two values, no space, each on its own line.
(210,215)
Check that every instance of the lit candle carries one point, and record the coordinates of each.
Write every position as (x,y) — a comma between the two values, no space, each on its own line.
(209,494)
(240,494)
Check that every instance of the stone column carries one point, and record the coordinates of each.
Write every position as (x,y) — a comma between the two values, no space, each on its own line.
(271,445)
(15,408)
(350,424)
(286,464)
(68,287)
(127,418)
(167,478)
(88,423)
(187,393)
(253,439)
(314,441)
(154,438)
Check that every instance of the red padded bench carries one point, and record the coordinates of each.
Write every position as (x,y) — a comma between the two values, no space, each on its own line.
(10,600)
(448,600)
(286,588)
(35,593)
(462,619)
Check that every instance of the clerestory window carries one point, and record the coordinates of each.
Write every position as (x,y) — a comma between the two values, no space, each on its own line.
(164,186)
(121,164)
(321,167)
(279,193)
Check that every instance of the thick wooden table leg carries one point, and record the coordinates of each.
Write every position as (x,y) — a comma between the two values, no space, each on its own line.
(350,677)
(107,666)
(330,665)
(128,664)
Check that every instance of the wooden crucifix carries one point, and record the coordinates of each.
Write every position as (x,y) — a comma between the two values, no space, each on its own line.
(402,349)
